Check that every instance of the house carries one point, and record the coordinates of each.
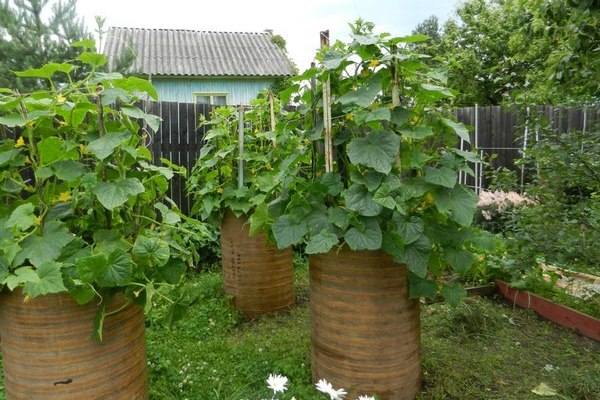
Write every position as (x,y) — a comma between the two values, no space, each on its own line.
(200,67)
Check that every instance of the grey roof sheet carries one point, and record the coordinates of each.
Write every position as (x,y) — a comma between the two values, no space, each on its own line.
(196,53)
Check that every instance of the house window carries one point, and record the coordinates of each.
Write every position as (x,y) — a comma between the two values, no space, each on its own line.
(214,99)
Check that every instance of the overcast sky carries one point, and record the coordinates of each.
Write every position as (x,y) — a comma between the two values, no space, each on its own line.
(299,22)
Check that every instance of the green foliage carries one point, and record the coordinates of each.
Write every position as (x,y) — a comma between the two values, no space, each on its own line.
(563,227)
(394,185)
(268,156)
(81,209)
(33,35)
(524,51)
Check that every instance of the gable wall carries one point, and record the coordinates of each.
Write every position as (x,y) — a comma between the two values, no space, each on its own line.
(239,91)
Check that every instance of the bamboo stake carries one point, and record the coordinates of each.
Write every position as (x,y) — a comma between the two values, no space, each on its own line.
(327,112)
(272,110)
(241,147)
(396,100)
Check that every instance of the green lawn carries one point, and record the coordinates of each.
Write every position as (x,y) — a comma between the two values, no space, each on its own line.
(483,349)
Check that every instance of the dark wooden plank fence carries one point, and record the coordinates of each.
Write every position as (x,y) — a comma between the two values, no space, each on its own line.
(501,134)
(178,140)
(495,130)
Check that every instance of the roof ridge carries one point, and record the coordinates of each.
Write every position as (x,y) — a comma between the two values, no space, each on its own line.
(184,30)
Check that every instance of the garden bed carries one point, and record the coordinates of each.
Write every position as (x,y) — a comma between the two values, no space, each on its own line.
(504,353)
(567,317)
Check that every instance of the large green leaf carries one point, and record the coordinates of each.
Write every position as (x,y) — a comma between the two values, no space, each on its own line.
(419,287)
(382,197)
(45,71)
(379,114)
(338,217)
(49,280)
(360,200)
(69,170)
(459,128)
(134,84)
(333,181)
(12,120)
(400,115)
(409,229)
(437,91)
(52,149)
(93,59)
(118,271)
(3,269)
(153,121)
(173,271)
(365,94)
(460,260)
(410,39)
(460,202)
(259,218)
(417,132)
(453,293)
(116,193)
(47,247)
(8,155)
(288,232)
(317,221)
(169,216)
(108,241)
(441,176)
(364,39)
(91,268)
(164,171)
(365,237)
(106,145)
(416,256)
(151,251)
(393,245)
(21,218)
(413,157)
(21,275)
(322,242)
(333,59)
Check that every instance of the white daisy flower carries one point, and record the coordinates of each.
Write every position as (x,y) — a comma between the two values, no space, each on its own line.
(327,388)
(277,383)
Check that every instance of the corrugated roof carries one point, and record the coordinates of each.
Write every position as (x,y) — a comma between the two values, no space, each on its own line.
(196,53)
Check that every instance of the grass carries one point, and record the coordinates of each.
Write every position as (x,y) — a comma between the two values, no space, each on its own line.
(483,349)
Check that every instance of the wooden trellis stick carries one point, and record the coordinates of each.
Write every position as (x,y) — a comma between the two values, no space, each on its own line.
(396,97)
(273,121)
(241,147)
(327,112)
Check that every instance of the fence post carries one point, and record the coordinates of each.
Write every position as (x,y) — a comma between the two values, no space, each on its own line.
(479,164)
(524,148)
(241,147)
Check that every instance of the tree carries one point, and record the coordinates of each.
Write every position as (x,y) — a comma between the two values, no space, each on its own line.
(523,51)
(569,31)
(429,27)
(481,66)
(28,40)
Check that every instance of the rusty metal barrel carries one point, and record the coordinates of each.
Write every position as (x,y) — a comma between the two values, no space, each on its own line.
(48,352)
(258,275)
(365,331)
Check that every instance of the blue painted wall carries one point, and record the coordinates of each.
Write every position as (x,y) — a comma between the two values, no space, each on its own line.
(239,91)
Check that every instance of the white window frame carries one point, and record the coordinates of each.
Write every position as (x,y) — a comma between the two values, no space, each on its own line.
(211,96)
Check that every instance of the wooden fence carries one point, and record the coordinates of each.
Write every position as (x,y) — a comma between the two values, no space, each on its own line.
(494,130)
(500,135)
(178,140)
